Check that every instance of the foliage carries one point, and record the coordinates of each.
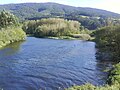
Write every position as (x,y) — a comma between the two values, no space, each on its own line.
(7,19)
(9,30)
(52,27)
(107,40)
(10,35)
(93,22)
(92,87)
(90,18)
(114,76)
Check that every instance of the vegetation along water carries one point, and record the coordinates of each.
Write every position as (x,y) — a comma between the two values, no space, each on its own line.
(10,30)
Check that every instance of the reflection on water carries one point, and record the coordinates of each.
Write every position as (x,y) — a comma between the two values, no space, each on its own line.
(10,49)
(48,64)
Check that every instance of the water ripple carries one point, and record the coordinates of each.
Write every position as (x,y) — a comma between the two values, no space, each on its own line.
(47,64)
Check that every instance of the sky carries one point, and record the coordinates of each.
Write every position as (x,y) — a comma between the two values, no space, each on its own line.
(110,5)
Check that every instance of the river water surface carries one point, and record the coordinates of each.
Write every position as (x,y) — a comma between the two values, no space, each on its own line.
(47,64)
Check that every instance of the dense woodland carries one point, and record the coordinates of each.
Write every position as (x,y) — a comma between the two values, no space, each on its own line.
(90,18)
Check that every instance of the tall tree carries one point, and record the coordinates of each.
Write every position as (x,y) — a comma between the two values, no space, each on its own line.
(7,19)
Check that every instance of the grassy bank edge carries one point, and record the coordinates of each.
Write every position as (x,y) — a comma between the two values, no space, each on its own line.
(10,35)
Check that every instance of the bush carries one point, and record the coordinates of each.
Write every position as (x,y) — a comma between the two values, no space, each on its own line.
(107,40)
(10,35)
(92,87)
(52,27)
(114,76)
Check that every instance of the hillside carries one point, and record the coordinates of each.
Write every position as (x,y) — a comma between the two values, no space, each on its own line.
(32,11)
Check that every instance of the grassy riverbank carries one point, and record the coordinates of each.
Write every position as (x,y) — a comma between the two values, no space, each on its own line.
(92,87)
(10,35)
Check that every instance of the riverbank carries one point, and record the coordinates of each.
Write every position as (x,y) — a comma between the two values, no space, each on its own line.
(86,37)
(114,75)
(74,37)
(10,35)
(113,82)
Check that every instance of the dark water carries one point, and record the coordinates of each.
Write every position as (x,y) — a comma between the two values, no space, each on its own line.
(47,64)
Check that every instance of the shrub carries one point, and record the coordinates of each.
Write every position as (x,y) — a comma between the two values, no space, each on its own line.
(10,35)
(52,27)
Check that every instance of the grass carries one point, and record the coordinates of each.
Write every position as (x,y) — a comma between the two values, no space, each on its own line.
(92,87)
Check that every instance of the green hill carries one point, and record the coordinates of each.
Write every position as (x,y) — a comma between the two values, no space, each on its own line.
(91,18)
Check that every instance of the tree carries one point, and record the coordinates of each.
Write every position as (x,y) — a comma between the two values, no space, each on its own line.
(108,40)
(7,19)
(52,27)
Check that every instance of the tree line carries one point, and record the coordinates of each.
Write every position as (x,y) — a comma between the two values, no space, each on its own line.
(52,27)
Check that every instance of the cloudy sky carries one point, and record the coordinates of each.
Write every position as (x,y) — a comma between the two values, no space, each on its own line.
(110,5)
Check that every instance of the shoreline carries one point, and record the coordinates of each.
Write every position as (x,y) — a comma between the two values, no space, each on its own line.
(64,37)
(8,43)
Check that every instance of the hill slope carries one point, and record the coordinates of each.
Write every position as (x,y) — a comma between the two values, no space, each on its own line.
(37,10)
(89,17)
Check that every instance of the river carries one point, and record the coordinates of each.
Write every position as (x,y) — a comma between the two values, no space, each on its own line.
(48,64)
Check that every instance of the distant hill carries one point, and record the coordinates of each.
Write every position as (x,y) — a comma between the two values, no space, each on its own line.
(34,11)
